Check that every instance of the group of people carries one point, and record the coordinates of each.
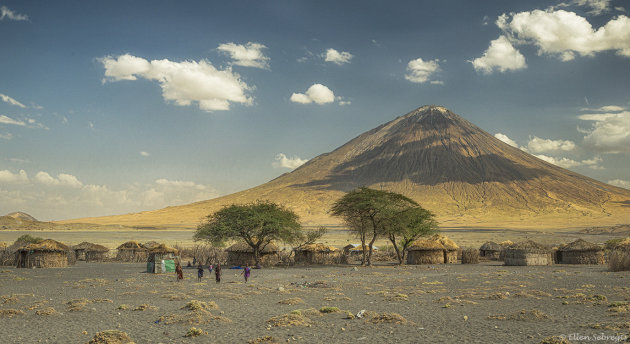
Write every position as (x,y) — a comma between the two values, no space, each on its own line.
(217,272)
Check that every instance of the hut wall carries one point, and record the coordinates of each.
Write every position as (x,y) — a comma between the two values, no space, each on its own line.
(41,259)
(450,257)
(92,256)
(247,258)
(581,257)
(415,257)
(80,254)
(490,254)
(519,258)
(310,257)
(133,256)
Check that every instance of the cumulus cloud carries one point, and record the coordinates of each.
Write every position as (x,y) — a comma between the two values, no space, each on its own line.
(11,101)
(8,177)
(568,163)
(620,183)
(248,55)
(506,139)
(609,132)
(282,161)
(62,179)
(182,82)
(337,57)
(501,56)
(420,71)
(317,93)
(5,12)
(538,145)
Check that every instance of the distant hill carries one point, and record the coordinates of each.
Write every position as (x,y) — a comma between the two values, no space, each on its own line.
(450,166)
(18,215)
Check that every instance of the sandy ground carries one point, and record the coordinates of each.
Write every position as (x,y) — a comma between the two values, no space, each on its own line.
(484,303)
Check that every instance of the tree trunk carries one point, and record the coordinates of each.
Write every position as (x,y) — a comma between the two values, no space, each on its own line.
(257,255)
(369,258)
(363,249)
(392,238)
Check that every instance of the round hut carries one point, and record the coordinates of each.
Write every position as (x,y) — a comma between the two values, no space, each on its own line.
(580,252)
(527,253)
(131,251)
(450,248)
(316,254)
(162,258)
(425,252)
(241,254)
(90,252)
(490,250)
(44,254)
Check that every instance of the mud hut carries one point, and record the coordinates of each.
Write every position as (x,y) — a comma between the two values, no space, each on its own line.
(162,258)
(527,253)
(580,252)
(316,254)
(241,254)
(450,248)
(131,251)
(89,252)
(44,254)
(425,252)
(490,250)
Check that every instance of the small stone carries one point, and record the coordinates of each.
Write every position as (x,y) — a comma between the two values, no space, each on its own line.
(343,329)
(280,288)
(355,269)
(84,332)
(465,317)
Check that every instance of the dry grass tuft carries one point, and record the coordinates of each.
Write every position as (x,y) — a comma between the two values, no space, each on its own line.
(111,337)
(535,294)
(388,318)
(329,309)
(265,339)
(9,313)
(613,326)
(143,307)
(291,301)
(46,311)
(195,332)
(194,305)
(523,315)
(77,304)
(292,319)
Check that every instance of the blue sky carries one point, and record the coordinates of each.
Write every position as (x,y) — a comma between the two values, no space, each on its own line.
(121,106)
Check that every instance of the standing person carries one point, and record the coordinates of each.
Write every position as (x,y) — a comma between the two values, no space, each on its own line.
(217,272)
(246,271)
(179,272)
(199,272)
(210,268)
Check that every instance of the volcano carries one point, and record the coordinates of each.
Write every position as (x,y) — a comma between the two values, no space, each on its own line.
(464,175)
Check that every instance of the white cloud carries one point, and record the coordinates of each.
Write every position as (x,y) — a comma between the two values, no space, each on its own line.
(62,179)
(501,56)
(8,177)
(282,161)
(597,6)
(606,108)
(180,184)
(249,55)
(568,163)
(420,71)
(317,93)
(6,136)
(11,101)
(563,34)
(8,120)
(538,145)
(143,153)
(182,82)
(610,132)
(7,13)
(620,183)
(506,139)
(337,57)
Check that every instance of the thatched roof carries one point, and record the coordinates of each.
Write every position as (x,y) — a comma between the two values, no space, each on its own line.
(491,246)
(529,246)
(151,245)
(161,248)
(506,243)
(358,247)
(426,245)
(245,248)
(90,247)
(580,245)
(131,245)
(449,244)
(48,245)
(317,247)
(82,246)
(3,245)
(618,244)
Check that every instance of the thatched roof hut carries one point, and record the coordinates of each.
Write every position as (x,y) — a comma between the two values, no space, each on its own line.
(527,253)
(490,250)
(44,254)
(426,252)
(450,248)
(89,252)
(162,258)
(580,252)
(241,254)
(316,254)
(149,245)
(131,251)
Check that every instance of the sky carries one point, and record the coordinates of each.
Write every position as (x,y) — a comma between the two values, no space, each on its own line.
(112,107)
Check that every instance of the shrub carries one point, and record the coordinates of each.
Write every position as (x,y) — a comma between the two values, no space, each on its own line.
(619,260)
(470,256)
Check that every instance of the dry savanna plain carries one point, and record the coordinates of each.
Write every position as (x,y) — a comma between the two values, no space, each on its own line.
(443,303)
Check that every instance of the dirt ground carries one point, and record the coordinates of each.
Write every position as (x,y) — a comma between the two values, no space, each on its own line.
(482,303)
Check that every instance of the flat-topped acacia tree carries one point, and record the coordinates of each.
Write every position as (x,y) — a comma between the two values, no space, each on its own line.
(257,224)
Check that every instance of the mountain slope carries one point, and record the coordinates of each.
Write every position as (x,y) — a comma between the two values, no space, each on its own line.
(450,166)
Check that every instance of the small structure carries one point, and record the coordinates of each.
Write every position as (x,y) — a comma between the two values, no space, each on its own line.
(527,253)
(580,252)
(316,254)
(44,254)
(490,250)
(131,251)
(450,248)
(149,245)
(241,254)
(90,252)
(162,259)
(356,249)
(425,252)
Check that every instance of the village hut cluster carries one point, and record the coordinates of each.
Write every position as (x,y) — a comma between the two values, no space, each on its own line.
(437,249)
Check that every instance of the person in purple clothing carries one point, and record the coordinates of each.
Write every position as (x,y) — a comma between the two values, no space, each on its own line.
(246,272)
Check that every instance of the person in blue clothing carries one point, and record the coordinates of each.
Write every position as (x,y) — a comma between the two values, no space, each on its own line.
(199,272)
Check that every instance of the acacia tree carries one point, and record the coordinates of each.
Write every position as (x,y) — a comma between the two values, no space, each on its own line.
(372,213)
(258,224)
